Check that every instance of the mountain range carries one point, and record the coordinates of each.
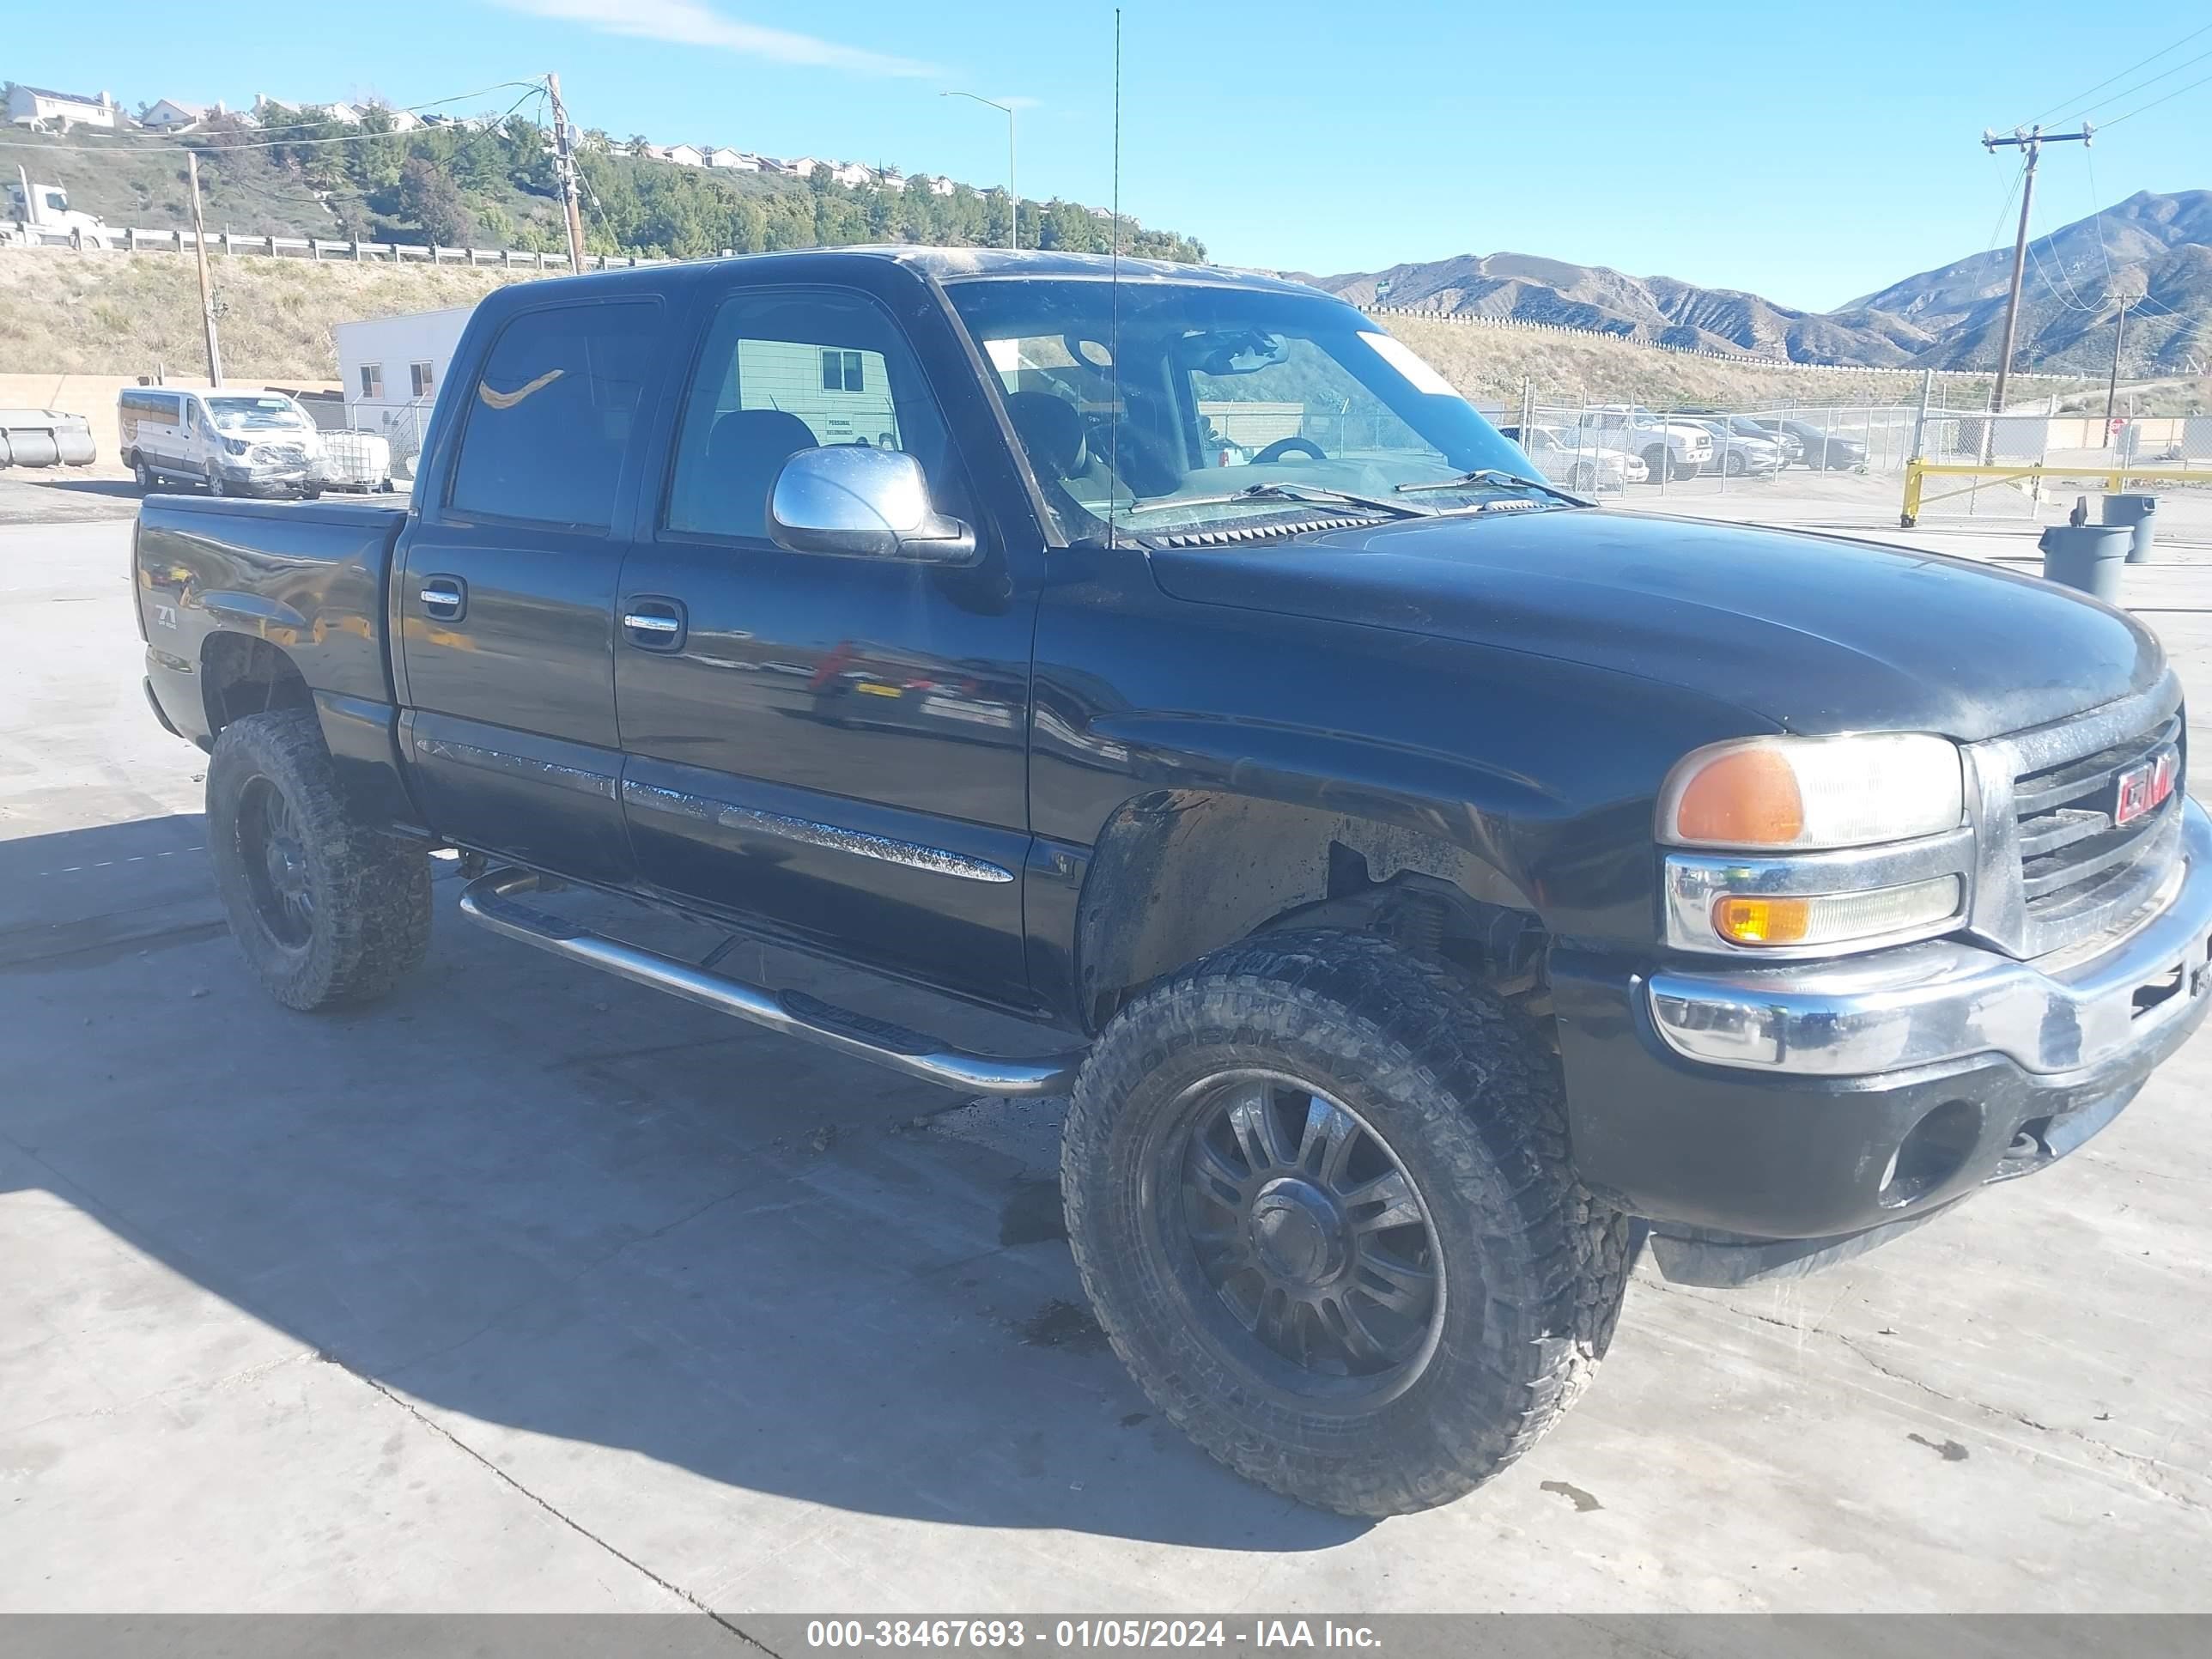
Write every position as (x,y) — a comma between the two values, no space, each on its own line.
(2153,251)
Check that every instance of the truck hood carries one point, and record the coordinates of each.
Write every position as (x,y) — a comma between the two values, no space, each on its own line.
(1816,634)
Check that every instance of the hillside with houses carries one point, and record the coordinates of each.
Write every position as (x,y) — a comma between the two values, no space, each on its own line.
(372,171)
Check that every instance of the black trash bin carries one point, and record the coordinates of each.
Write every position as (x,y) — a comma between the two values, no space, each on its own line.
(2088,557)
(2139,514)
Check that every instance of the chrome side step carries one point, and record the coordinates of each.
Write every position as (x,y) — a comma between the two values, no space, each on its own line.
(490,900)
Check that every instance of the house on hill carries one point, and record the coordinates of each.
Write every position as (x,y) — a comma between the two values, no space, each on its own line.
(42,107)
(684,155)
(172,115)
(733,161)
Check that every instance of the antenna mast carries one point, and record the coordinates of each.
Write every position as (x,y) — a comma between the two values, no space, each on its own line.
(1114,347)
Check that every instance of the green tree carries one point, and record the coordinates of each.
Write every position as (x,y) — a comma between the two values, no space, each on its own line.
(429,199)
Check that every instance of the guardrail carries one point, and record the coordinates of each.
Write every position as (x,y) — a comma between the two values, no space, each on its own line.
(129,240)
(2113,477)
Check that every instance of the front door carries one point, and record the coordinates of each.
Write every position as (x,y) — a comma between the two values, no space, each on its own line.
(834,746)
(507,600)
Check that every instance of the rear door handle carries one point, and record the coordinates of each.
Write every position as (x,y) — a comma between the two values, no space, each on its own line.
(446,598)
(651,622)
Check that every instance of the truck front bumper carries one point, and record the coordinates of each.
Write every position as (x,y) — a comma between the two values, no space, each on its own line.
(1733,1104)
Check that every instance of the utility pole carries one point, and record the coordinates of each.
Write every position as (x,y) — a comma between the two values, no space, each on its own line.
(2113,385)
(564,163)
(199,250)
(2030,142)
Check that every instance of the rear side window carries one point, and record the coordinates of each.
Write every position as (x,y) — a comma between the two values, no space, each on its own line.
(550,415)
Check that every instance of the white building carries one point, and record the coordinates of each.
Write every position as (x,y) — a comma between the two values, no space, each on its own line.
(38,106)
(684,155)
(733,161)
(800,166)
(941,185)
(393,367)
(172,116)
(852,172)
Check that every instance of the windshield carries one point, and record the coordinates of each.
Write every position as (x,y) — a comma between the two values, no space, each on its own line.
(1222,389)
(257,414)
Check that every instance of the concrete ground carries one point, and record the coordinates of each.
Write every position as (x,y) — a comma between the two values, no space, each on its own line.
(534,1289)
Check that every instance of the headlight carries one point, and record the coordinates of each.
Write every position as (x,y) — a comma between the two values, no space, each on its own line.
(1805,794)
(235,446)
(1823,844)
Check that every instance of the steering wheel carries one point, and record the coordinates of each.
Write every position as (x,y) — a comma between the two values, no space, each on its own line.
(1282,447)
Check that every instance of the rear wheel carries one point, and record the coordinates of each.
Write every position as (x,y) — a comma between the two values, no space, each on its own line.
(1319,1192)
(147,479)
(327,909)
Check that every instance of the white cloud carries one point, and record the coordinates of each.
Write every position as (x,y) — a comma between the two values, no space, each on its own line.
(684,23)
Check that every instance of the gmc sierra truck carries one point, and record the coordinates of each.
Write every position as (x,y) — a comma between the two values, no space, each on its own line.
(1427,885)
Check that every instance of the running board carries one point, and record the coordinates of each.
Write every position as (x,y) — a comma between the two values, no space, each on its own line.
(490,900)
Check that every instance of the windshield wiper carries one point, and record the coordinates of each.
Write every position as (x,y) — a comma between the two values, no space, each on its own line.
(1311,495)
(1497,479)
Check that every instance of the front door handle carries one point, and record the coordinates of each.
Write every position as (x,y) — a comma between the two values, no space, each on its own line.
(446,598)
(653,623)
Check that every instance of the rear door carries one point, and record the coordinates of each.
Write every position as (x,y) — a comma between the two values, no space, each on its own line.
(506,600)
(833,746)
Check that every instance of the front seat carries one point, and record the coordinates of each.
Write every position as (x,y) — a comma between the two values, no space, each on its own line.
(745,451)
(1051,430)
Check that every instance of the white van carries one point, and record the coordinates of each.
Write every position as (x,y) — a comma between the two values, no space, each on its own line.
(234,442)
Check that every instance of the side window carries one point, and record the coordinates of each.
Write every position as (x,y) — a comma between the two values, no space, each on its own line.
(191,415)
(785,370)
(372,380)
(549,419)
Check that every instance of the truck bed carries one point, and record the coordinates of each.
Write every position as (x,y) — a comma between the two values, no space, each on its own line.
(307,577)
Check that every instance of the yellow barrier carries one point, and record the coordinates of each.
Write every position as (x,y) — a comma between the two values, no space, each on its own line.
(2113,477)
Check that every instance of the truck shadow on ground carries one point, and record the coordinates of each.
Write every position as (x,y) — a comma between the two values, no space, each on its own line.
(543,1205)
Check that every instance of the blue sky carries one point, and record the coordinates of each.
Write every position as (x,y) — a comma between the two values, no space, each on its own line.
(1806,150)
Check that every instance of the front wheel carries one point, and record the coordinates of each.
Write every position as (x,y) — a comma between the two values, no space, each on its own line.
(1318,1191)
(327,909)
(1659,463)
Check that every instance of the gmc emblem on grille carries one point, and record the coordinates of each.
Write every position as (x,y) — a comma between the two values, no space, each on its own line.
(2146,787)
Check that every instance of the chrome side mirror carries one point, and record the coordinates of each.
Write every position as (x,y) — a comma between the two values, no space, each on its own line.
(863,503)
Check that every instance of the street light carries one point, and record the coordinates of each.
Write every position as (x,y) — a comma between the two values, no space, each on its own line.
(1013,195)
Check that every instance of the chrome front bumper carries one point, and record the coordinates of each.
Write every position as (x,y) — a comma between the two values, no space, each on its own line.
(1921,1004)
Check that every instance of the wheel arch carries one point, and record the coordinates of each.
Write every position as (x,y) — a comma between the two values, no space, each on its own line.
(1180,872)
(243,674)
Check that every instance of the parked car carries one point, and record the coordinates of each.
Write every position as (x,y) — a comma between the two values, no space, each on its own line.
(1421,882)
(1824,452)
(234,442)
(1669,448)
(1743,426)
(1579,461)
(1739,456)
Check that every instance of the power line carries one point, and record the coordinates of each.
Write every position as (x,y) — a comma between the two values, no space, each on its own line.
(2155,102)
(2078,97)
(2153,80)
(2097,212)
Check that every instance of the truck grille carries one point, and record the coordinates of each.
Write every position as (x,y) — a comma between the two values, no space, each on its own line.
(2079,871)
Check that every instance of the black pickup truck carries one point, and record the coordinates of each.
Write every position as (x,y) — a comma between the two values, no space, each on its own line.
(1427,885)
